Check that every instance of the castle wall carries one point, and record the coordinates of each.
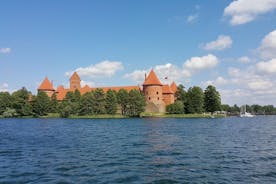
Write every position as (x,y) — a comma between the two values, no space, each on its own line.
(153,94)
(168,99)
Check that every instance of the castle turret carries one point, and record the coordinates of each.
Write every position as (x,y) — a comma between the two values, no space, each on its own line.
(75,82)
(152,89)
(47,87)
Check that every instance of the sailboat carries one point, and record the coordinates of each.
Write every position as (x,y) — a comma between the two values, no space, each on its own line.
(244,114)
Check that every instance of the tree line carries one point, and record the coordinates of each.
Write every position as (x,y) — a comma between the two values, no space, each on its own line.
(195,100)
(23,103)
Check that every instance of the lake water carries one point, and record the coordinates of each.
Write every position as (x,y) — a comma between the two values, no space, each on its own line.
(226,150)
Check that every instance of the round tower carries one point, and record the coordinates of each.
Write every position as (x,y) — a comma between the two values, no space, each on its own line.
(152,89)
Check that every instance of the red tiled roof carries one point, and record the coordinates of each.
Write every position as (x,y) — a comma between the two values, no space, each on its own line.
(75,76)
(152,79)
(166,89)
(61,92)
(85,89)
(46,85)
(173,87)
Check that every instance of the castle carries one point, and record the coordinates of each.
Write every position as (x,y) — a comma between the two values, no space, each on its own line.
(157,95)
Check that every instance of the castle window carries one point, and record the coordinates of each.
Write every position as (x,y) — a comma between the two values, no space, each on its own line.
(158,98)
(149,98)
(157,92)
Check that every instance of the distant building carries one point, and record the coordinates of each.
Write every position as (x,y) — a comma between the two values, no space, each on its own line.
(157,95)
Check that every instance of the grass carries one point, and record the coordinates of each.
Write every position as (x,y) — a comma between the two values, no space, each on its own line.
(164,115)
(98,116)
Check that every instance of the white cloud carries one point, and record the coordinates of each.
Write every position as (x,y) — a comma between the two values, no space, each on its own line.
(4,87)
(89,83)
(244,59)
(192,18)
(221,43)
(268,67)
(200,63)
(5,50)
(138,76)
(102,69)
(268,46)
(244,11)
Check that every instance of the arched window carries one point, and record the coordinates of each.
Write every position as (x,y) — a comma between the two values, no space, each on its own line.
(149,98)
(157,92)
(158,98)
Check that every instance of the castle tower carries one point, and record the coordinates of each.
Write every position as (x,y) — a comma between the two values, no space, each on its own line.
(168,95)
(75,82)
(152,89)
(47,87)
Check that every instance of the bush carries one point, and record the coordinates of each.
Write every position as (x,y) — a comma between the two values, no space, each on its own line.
(175,108)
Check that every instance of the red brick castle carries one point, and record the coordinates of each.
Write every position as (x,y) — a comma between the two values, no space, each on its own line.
(157,95)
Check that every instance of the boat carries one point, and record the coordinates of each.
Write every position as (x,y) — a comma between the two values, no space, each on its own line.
(244,114)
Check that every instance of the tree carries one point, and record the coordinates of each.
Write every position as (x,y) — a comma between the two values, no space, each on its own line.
(181,94)
(41,104)
(176,108)
(111,102)
(212,101)
(123,100)
(9,112)
(5,101)
(136,104)
(21,102)
(99,103)
(87,104)
(53,107)
(195,100)
(73,99)
(65,109)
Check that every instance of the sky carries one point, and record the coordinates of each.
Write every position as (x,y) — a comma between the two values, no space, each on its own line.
(225,43)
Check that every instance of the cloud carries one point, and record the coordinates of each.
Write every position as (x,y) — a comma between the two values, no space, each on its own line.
(221,43)
(102,69)
(89,83)
(179,74)
(200,63)
(244,11)
(268,67)
(192,18)
(5,50)
(244,59)
(4,87)
(267,50)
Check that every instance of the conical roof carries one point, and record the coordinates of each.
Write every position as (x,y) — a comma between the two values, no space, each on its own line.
(75,76)
(152,79)
(46,85)
(173,87)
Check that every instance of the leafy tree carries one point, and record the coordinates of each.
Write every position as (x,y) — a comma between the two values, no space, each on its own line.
(123,100)
(136,104)
(111,102)
(53,107)
(99,103)
(226,107)
(195,100)
(212,101)
(181,93)
(21,102)
(73,99)
(175,108)
(41,104)
(9,112)
(87,104)
(65,109)
(5,101)
(268,109)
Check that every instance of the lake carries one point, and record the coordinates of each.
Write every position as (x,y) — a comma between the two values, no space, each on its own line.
(223,150)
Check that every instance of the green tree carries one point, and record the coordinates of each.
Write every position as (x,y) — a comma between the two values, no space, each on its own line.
(5,101)
(123,100)
(9,112)
(73,99)
(212,101)
(136,103)
(181,94)
(99,103)
(21,102)
(195,100)
(53,104)
(65,109)
(176,108)
(41,104)
(87,104)
(111,102)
